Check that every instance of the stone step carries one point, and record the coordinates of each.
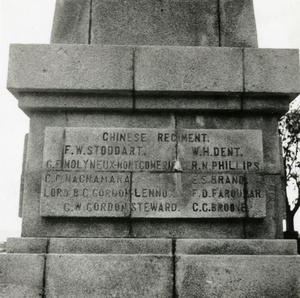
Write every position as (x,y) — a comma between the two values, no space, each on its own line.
(126,275)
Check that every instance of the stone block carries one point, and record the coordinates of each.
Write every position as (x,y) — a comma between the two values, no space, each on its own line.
(188,69)
(237,24)
(271,70)
(188,23)
(27,245)
(235,247)
(21,275)
(31,102)
(110,246)
(188,228)
(71,22)
(73,67)
(173,101)
(109,276)
(237,276)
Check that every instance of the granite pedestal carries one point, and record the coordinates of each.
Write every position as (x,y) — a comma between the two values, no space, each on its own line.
(152,166)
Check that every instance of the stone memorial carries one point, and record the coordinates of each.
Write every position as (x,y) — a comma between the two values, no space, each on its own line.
(153,166)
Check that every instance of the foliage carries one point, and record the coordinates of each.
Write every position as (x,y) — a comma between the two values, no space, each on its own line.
(289,130)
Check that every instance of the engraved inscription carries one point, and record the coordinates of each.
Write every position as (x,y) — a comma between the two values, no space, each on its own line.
(205,195)
(158,173)
(111,149)
(85,194)
(222,150)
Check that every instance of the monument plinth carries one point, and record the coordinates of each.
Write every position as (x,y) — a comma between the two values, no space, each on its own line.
(153,165)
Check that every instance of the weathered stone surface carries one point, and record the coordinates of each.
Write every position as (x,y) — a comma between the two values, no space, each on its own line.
(2,246)
(271,145)
(39,121)
(72,185)
(157,195)
(71,22)
(226,195)
(21,275)
(73,157)
(235,247)
(267,123)
(109,276)
(33,101)
(27,245)
(23,175)
(132,149)
(237,24)
(110,71)
(255,196)
(189,102)
(85,194)
(206,195)
(125,120)
(271,226)
(105,206)
(220,150)
(188,228)
(237,276)
(36,226)
(73,67)
(36,136)
(33,225)
(271,70)
(191,23)
(151,246)
(274,104)
(188,23)
(110,246)
(108,149)
(188,69)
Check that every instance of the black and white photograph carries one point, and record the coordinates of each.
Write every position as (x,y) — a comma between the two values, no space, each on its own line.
(150,148)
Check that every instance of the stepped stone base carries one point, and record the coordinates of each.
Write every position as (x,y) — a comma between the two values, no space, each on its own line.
(151,246)
(110,267)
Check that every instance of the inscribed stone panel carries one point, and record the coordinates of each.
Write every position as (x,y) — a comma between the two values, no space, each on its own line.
(152,173)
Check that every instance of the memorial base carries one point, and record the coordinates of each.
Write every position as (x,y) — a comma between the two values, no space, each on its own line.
(110,267)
